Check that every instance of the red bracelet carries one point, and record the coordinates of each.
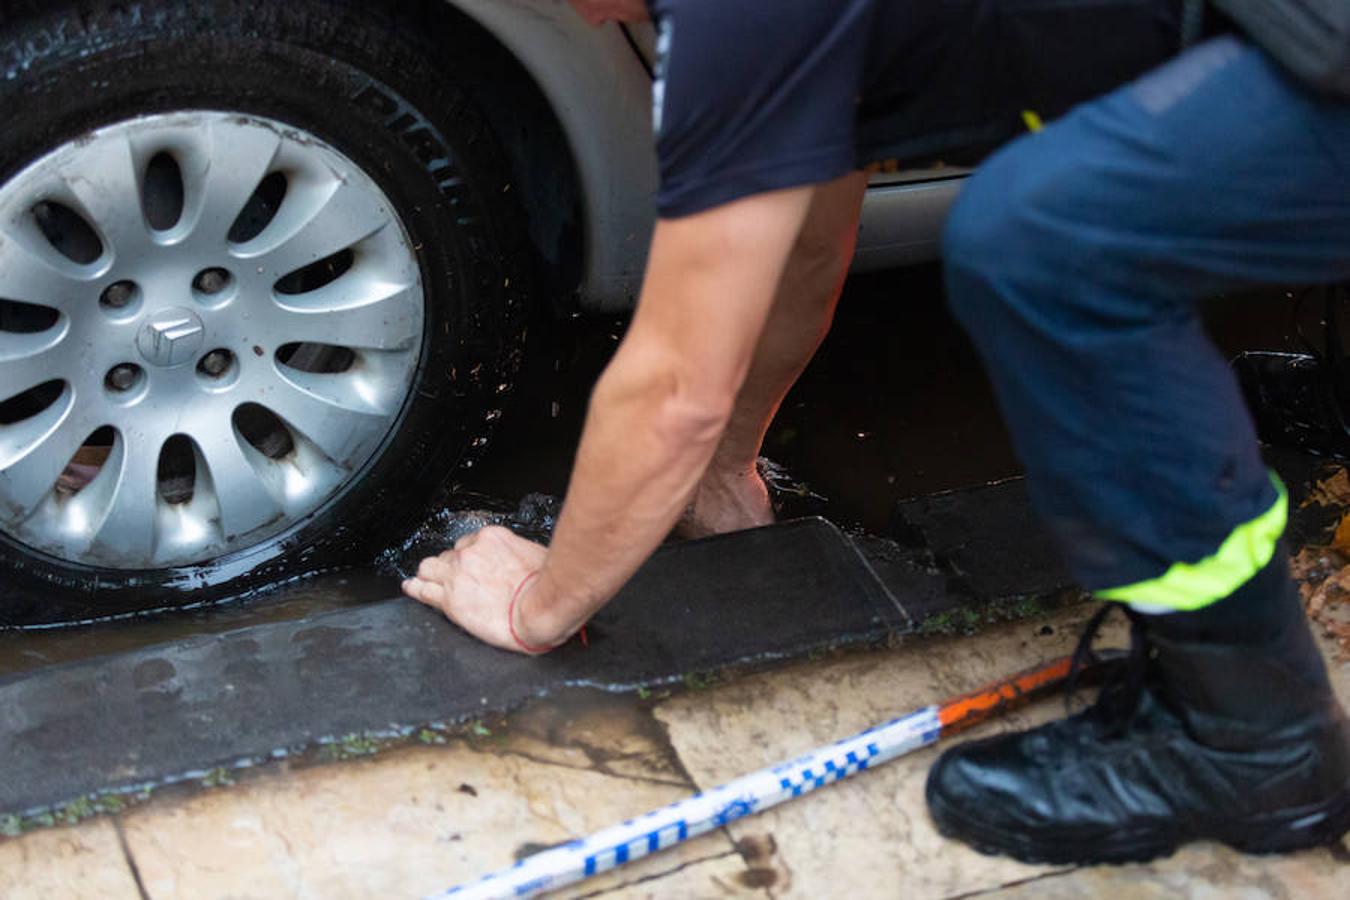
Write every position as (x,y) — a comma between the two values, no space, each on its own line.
(511,618)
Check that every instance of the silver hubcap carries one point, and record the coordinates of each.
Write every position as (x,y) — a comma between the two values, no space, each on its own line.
(209,324)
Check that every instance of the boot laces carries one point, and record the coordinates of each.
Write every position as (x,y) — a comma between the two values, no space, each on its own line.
(1122,676)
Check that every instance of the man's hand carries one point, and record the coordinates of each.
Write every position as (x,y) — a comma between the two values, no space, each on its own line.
(473,585)
(656,416)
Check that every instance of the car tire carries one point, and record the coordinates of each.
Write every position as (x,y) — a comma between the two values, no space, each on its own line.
(360,83)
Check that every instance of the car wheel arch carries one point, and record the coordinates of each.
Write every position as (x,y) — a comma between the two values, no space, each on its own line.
(598,90)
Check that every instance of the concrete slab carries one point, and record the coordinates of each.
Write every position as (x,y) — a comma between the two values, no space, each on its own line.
(181,709)
(85,863)
(409,824)
(406,823)
(987,540)
(1201,872)
(870,837)
(409,821)
(879,816)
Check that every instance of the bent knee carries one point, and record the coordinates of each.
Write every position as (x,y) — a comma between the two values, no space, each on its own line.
(996,204)
(1023,217)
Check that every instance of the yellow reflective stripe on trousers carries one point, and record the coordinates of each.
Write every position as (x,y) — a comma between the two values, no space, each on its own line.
(1191,586)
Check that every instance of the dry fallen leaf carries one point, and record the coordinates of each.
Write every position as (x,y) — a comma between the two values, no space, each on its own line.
(1338,630)
(1333,590)
(1314,565)
(1331,491)
(1323,576)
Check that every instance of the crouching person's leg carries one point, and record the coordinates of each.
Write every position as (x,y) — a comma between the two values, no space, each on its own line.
(1075,260)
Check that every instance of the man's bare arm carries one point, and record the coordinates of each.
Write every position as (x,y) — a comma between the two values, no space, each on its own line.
(655,419)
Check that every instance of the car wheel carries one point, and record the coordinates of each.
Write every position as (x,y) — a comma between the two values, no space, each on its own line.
(261,293)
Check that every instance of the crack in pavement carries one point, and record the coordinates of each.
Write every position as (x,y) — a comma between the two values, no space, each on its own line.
(594,769)
(130,858)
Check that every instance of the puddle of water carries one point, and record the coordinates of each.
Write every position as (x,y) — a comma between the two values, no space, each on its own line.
(22,651)
(895,405)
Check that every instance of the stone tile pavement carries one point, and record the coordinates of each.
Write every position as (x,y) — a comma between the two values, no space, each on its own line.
(415,820)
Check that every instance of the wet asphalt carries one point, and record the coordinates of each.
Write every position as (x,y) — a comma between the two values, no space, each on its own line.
(895,406)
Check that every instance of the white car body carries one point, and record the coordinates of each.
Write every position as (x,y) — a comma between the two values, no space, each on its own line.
(598,83)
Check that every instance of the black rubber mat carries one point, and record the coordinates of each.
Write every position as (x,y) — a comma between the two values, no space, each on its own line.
(987,541)
(169,711)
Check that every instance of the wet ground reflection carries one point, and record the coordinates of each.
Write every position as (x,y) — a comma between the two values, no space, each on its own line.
(23,651)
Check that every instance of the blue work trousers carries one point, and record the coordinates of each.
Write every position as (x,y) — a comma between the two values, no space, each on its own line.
(1076,258)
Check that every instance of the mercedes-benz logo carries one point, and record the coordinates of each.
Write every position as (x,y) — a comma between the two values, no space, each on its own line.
(171,337)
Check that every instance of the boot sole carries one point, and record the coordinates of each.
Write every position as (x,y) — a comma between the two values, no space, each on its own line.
(1282,832)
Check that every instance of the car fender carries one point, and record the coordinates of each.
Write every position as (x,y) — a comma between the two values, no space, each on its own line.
(600,91)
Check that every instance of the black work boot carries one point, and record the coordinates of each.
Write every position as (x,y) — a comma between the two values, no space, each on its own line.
(1206,732)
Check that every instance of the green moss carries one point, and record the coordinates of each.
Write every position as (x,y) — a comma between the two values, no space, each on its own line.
(111,803)
(217,777)
(427,736)
(644,693)
(75,811)
(478,729)
(699,680)
(948,622)
(351,746)
(969,619)
(360,745)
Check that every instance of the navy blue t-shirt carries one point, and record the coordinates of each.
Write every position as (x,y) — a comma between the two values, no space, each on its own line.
(758,95)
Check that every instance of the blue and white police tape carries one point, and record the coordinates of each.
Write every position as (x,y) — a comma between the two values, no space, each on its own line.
(664,828)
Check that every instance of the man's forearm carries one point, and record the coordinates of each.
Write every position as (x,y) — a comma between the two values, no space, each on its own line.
(642,454)
(660,408)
